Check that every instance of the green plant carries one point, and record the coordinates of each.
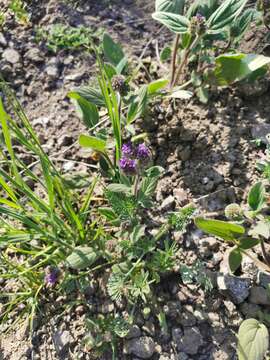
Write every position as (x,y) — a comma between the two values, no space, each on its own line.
(251,227)
(18,7)
(199,29)
(61,36)
(45,227)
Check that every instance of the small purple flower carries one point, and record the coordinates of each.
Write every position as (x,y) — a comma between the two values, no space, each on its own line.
(51,276)
(127,149)
(143,153)
(128,166)
(200,17)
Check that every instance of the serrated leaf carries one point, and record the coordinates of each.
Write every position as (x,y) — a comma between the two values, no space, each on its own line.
(176,23)
(227,12)
(253,340)
(235,259)
(171,6)
(113,51)
(256,196)
(93,142)
(225,230)
(82,258)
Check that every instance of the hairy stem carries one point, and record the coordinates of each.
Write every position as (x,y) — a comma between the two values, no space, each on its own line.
(173,62)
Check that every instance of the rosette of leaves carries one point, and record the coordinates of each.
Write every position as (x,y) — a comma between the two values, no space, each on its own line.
(197,30)
(244,238)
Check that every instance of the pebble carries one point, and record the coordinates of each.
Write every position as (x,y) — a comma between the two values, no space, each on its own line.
(3,41)
(33,54)
(143,347)
(259,296)
(134,332)
(263,279)
(260,131)
(234,287)
(168,203)
(62,341)
(12,56)
(191,341)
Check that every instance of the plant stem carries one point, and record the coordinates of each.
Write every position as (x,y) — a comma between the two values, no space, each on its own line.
(184,60)
(173,62)
(136,185)
(265,255)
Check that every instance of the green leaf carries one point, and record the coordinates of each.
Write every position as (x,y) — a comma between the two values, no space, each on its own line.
(248,243)
(203,94)
(176,23)
(242,23)
(155,86)
(256,196)
(113,51)
(108,213)
(154,171)
(87,111)
(203,7)
(170,6)
(235,259)
(225,14)
(119,188)
(235,67)
(225,230)
(138,105)
(165,54)
(92,142)
(82,258)
(90,94)
(253,340)
(110,70)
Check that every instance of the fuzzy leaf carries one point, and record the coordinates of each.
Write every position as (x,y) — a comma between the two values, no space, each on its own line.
(253,340)
(227,12)
(119,188)
(256,197)
(176,23)
(87,111)
(82,258)
(225,230)
(138,105)
(157,85)
(90,94)
(171,6)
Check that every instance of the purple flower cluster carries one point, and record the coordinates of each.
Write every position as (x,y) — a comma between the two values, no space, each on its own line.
(51,276)
(134,158)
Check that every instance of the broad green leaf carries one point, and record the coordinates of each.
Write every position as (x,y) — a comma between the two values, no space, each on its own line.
(248,243)
(90,94)
(113,51)
(81,258)
(235,259)
(253,340)
(165,54)
(92,142)
(170,6)
(119,188)
(256,196)
(225,230)
(235,67)
(137,233)
(154,171)
(155,86)
(87,111)
(110,70)
(225,14)
(176,23)
(108,213)
(138,105)
(203,7)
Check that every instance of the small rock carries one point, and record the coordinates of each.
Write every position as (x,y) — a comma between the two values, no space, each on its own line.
(180,196)
(168,203)
(134,332)
(185,154)
(250,310)
(234,287)
(143,347)
(65,140)
(260,131)
(12,56)
(62,341)
(263,279)
(259,296)
(52,71)
(191,341)
(33,54)
(75,76)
